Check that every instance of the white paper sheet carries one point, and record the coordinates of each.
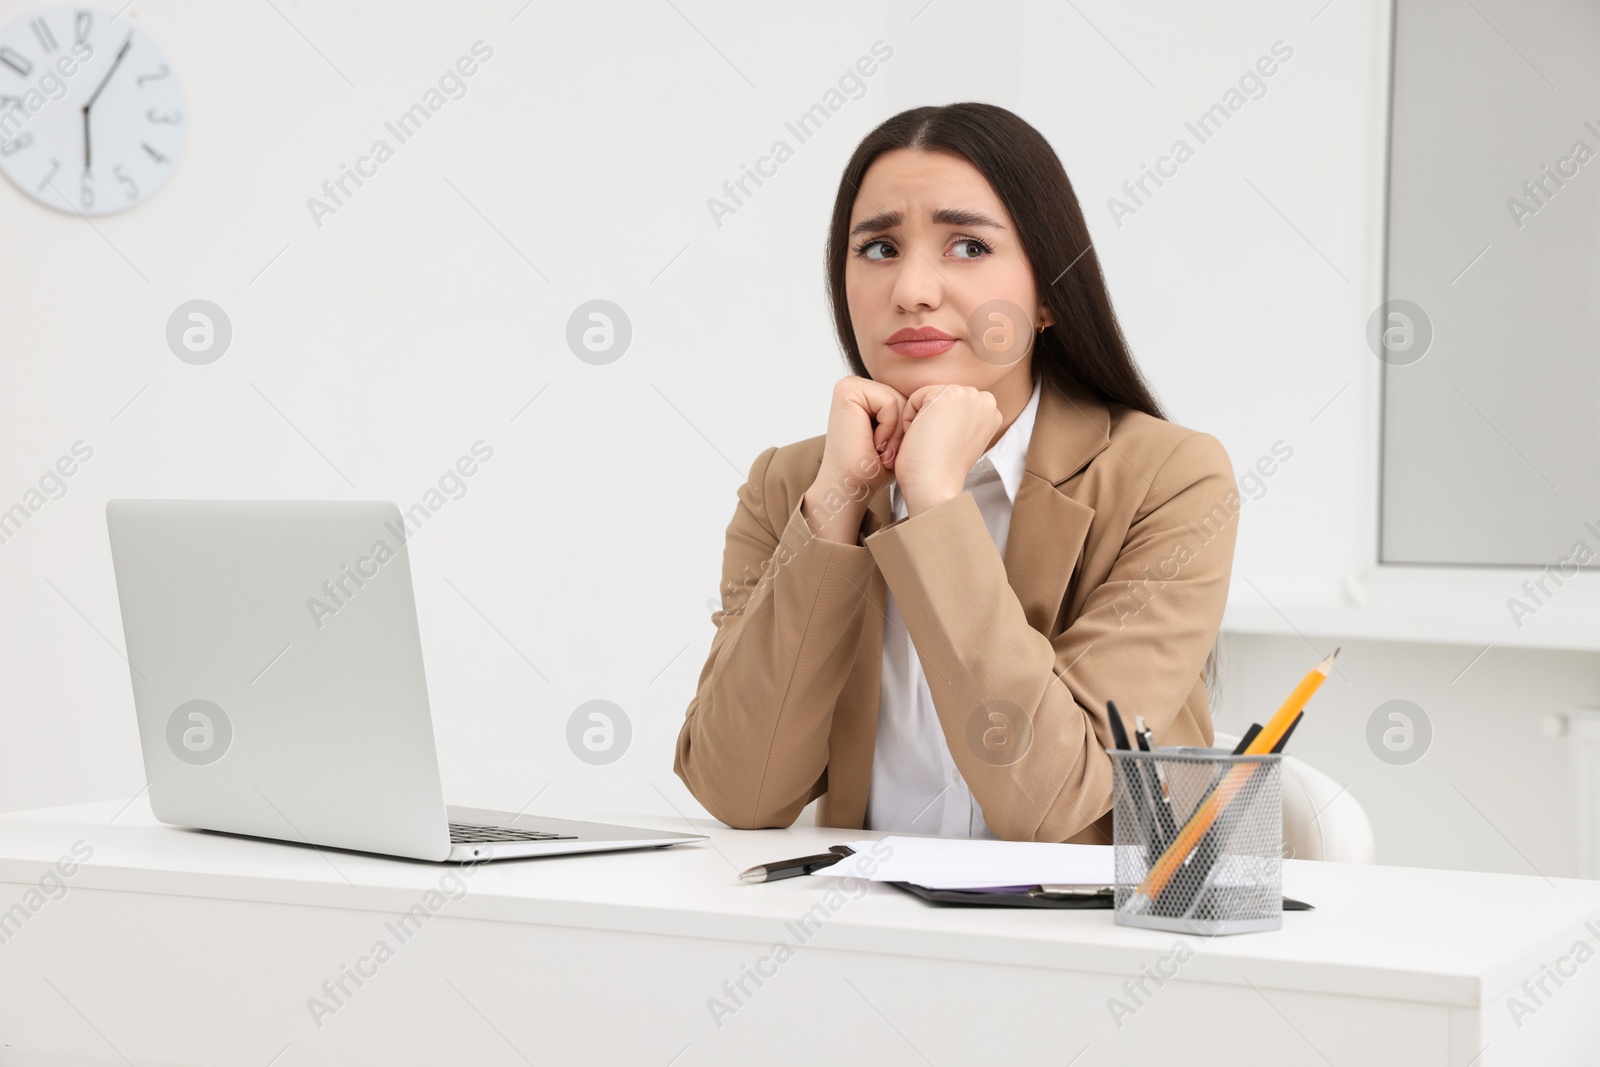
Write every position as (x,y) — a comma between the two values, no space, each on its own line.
(974,863)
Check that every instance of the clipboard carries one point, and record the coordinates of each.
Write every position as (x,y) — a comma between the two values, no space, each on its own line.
(1073,897)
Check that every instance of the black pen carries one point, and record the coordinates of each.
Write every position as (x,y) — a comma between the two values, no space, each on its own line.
(1249,736)
(1119,733)
(1139,789)
(1284,740)
(771,872)
(1163,799)
(1142,732)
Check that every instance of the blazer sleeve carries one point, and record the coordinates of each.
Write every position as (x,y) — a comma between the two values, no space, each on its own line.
(1142,639)
(754,743)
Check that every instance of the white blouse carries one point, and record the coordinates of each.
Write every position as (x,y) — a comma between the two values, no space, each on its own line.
(916,787)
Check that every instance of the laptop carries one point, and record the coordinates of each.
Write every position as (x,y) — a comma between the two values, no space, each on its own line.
(277,676)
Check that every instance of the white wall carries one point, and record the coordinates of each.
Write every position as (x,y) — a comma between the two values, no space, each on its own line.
(373,350)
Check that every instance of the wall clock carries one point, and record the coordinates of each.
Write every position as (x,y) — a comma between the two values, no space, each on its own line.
(91,113)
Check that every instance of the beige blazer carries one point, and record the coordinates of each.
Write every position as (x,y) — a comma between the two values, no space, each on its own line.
(1112,586)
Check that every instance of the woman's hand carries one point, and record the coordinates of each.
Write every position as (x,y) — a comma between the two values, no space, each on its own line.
(947,428)
(865,425)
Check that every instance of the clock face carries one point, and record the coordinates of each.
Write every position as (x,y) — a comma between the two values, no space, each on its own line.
(91,113)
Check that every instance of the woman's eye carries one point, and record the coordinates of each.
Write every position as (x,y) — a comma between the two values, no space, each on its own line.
(976,249)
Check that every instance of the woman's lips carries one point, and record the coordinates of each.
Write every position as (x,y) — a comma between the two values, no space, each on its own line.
(918,349)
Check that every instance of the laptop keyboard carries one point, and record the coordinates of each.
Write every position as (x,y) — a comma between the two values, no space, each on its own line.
(466,833)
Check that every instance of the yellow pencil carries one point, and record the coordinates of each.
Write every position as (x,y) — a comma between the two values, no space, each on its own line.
(1279,723)
(1163,869)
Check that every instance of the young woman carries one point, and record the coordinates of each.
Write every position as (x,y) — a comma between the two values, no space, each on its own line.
(926,610)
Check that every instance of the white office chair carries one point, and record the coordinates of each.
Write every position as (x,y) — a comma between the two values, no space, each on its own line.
(1321,820)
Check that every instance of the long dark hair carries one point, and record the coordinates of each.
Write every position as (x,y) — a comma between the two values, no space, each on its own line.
(1085,346)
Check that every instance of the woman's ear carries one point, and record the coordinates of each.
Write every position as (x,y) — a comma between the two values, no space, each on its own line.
(1045,318)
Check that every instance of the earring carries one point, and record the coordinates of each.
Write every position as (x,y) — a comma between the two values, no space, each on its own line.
(1041,329)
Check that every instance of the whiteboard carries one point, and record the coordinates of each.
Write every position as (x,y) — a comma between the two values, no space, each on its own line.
(1489,334)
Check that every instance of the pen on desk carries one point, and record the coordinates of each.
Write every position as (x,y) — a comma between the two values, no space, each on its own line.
(771,872)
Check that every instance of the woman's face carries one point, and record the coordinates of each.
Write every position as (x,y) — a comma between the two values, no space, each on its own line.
(931,246)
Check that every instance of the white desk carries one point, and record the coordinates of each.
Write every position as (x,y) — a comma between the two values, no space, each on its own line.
(179,946)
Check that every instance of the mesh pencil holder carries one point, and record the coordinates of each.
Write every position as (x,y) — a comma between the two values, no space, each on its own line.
(1198,836)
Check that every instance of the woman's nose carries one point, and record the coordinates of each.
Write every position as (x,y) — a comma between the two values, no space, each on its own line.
(918,282)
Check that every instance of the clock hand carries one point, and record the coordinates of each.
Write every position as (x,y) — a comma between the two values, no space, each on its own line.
(114,63)
(96,95)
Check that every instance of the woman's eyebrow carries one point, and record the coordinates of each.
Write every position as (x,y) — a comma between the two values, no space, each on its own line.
(949,216)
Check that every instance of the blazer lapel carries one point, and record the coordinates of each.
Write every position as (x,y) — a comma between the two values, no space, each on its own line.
(1048,526)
